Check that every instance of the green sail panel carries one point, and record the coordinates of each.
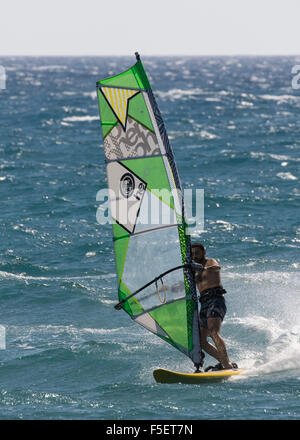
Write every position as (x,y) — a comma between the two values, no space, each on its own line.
(171,318)
(121,241)
(135,77)
(138,111)
(150,237)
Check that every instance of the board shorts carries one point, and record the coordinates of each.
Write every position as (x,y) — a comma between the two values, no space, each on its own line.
(212,306)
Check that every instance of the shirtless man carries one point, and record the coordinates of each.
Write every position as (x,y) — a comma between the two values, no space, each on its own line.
(213,306)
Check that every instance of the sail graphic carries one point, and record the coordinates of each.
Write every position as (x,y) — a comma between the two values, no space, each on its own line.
(118,100)
(156,285)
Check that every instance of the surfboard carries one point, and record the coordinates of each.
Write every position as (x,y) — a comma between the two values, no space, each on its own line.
(167,376)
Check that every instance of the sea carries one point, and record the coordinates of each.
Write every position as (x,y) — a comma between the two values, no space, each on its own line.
(65,352)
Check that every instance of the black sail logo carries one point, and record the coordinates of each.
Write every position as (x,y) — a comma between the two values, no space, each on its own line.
(127,185)
(126,195)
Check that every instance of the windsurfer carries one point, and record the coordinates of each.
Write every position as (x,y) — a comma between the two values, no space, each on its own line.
(213,307)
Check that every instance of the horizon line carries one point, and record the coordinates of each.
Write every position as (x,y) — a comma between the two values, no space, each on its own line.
(156,55)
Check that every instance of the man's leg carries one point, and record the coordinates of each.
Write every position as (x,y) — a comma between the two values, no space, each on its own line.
(213,329)
(206,346)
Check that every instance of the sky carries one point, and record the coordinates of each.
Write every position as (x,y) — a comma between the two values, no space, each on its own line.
(152,27)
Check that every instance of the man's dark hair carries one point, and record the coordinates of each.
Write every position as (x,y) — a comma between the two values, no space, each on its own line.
(200,245)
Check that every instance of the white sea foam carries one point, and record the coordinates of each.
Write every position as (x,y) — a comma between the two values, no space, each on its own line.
(282,354)
(286,176)
(179,93)
(49,68)
(245,104)
(280,157)
(61,329)
(206,135)
(92,95)
(268,276)
(280,98)
(90,254)
(42,337)
(279,352)
(23,276)
(212,99)
(263,318)
(174,94)
(80,118)
(258,79)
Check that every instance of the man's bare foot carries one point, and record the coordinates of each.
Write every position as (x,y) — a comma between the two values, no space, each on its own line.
(230,366)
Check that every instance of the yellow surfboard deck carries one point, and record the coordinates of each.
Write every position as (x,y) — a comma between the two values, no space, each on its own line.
(167,376)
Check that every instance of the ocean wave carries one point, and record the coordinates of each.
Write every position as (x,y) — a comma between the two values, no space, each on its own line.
(279,157)
(270,276)
(50,68)
(280,99)
(177,94)
(23,276)
(174,94)
(40,338)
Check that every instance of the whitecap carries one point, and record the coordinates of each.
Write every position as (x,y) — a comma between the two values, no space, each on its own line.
(80,118)
(280,98)
(212,99)
(90,254)
(23,276)
(255,78)
(92,95)
(50,68)
(286,176)
(226,225)
(179,93)
(206,135)
(246,104)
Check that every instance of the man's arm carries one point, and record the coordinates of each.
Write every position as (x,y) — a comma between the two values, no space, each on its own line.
(212,264)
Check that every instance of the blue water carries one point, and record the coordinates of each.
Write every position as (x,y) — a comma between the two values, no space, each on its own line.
(234,126)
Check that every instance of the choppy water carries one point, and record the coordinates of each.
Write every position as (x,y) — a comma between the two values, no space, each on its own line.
(234,127)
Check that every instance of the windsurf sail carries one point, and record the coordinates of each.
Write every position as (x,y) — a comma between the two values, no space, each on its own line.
(156,285)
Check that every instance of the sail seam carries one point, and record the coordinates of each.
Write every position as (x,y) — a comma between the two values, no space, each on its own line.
(99,86)
(133,158)
(145,231)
